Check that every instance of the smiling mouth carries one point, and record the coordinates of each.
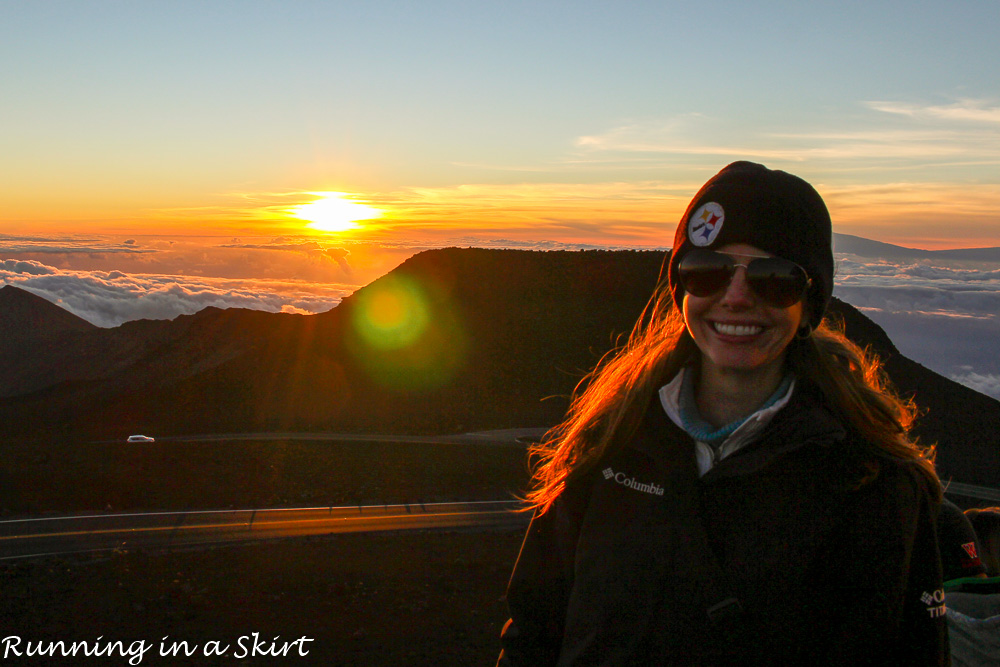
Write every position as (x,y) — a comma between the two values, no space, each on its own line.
(737,329)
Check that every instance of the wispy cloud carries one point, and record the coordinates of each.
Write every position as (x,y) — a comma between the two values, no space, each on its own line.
(299,245)
(923,214)
(960,131)
(984,383)
(925,176)
(69,245)
(600,213)
(917,214)
(887,144)
(674,134)
(964,110)
(692,136)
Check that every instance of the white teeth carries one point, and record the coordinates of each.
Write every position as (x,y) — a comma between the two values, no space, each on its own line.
(737,329)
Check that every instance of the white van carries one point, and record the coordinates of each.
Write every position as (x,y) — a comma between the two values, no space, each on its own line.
(140,438)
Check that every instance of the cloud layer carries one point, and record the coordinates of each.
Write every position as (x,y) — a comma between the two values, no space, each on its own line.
(109,298)
(63,245)
(941,314)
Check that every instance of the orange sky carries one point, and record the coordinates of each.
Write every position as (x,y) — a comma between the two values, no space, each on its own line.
(925,215)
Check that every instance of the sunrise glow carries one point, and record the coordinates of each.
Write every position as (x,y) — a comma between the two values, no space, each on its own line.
(334,212)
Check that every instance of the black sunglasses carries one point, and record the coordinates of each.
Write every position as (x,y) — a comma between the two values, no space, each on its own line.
(777,281)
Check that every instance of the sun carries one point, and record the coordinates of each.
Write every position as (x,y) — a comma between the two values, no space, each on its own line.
(334,212)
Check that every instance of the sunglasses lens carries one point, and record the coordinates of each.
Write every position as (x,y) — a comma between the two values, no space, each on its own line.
(777,281)
(703,273)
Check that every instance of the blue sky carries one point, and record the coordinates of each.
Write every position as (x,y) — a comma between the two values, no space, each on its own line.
(167,117)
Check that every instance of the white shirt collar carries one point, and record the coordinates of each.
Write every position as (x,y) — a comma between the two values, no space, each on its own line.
(742,436)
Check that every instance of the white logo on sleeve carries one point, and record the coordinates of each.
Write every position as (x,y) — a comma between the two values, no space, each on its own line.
(625,480)
(935,603)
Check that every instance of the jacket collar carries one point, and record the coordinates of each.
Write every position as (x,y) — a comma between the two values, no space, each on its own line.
(803,421)
(671,398)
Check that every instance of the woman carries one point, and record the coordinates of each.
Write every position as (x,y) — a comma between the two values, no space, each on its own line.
(735,486)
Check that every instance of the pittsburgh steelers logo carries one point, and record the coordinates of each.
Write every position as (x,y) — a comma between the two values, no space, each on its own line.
(705,224)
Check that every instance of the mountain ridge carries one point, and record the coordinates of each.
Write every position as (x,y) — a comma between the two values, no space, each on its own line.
(451,340)
(25,314)
(862,247)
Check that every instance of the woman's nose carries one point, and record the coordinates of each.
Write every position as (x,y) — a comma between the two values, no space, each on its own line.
(738,293)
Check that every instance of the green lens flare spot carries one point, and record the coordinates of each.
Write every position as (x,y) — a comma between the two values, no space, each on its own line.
(393,315)
(407,334)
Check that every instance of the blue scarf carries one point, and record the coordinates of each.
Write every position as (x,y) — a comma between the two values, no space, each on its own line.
(701,430)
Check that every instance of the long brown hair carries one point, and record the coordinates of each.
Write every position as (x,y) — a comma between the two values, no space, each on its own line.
(608,404)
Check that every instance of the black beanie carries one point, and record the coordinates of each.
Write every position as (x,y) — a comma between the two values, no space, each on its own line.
(772,210)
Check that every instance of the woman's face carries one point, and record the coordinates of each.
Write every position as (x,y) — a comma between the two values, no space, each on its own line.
(735,330)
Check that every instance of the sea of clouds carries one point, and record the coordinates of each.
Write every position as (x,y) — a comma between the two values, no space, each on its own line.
(109,298)
(108,282)
(941,313)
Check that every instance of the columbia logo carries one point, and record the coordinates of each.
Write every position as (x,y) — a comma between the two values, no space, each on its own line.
(935,603)
(630,482)
(937,597)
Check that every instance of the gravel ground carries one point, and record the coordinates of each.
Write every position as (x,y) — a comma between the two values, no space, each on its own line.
(403,598)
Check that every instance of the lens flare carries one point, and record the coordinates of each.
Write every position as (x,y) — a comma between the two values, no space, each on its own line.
(406,334)
(393,316)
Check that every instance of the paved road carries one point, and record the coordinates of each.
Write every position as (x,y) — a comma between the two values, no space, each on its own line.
(506,437)
(78,533)
(25,538)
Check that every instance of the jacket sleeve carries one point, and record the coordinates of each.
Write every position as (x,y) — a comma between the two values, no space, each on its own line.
(539,588)
(885,596)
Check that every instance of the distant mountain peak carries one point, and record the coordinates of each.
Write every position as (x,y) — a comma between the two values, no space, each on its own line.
(25,314)
(857,245)
(849,244)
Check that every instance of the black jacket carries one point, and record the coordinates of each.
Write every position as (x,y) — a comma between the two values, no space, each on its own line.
(770,558)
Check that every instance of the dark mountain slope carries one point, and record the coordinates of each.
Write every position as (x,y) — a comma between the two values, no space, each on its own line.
(964,424)
(78,352)
(26,315)
(38,339)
